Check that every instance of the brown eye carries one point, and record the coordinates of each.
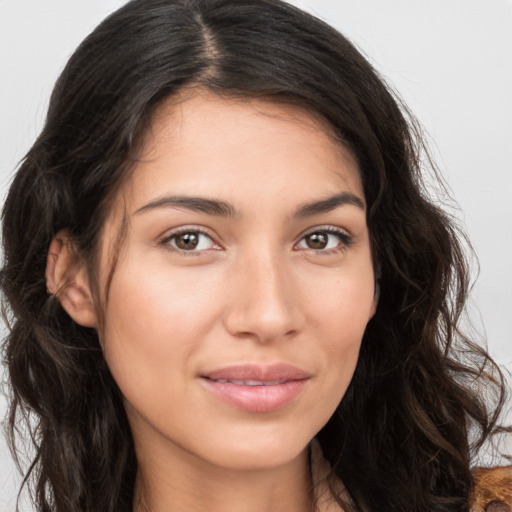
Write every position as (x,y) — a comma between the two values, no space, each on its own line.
(317,240)
(187,241)
(191,241)
(332,239)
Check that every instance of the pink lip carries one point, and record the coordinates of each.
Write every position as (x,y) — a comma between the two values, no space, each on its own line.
(280,384)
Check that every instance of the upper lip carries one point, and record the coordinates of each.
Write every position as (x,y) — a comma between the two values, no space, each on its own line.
(258,372)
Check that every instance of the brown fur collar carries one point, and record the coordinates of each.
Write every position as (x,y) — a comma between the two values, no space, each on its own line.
(493,490)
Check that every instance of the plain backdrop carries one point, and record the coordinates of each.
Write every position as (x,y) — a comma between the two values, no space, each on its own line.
(451,60)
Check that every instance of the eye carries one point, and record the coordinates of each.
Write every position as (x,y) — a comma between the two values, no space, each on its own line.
(325,240)
(191,240)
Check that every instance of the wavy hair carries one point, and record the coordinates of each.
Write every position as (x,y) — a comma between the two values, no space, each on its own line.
(404,435)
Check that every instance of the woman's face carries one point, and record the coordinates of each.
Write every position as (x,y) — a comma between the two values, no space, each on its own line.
(237,306)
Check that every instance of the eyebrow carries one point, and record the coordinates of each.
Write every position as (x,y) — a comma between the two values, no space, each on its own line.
(196,204)
(329,204)
(224,209)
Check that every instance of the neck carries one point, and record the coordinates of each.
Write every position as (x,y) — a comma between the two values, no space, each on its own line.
(189,486)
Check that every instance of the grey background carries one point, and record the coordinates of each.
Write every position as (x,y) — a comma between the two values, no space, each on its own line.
(451,60)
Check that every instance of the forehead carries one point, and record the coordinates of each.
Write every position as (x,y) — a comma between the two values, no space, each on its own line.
(244,150)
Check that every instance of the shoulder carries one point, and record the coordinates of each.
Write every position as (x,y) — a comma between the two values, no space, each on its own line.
(493,489)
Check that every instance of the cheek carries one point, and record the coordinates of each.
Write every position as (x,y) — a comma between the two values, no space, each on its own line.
(154,324)
(343,304)
(339,317)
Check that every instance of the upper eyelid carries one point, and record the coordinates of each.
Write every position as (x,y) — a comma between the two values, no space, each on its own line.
(169,234)
(325,227)
(346,238)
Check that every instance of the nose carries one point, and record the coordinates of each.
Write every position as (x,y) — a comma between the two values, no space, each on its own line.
(264,304)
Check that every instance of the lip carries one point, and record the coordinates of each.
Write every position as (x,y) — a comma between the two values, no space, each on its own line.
(256,388)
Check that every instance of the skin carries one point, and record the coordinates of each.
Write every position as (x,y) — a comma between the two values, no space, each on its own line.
(253,291)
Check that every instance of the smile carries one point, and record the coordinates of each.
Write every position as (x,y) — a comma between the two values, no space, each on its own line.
(254,388)
(251,382)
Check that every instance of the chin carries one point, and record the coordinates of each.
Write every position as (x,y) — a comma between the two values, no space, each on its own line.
(255,450)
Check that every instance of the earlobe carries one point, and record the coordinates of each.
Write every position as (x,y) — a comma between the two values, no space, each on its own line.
(67,278)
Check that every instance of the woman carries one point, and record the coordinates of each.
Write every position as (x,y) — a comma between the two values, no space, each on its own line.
(226,286)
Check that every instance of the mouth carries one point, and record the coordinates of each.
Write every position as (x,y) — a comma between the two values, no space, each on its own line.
(256,388)
(250,382)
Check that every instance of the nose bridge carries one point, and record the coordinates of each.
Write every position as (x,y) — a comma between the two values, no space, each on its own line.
(263,303)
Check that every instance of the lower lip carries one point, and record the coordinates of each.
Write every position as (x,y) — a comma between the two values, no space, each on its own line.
(256,398)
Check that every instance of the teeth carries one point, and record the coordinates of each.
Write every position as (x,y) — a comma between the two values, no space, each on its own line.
(251,382)
(273,382)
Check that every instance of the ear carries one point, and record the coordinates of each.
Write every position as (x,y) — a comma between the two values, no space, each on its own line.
(67,278)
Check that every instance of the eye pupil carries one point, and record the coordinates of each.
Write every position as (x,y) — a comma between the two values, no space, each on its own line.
(187,241)
(317,240)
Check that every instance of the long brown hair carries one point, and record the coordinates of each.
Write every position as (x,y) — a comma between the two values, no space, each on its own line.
(403,436)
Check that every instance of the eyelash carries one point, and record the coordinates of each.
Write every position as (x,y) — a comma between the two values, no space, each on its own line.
(165,241)
(346,240)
